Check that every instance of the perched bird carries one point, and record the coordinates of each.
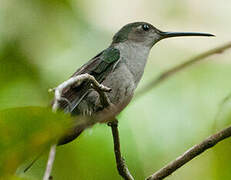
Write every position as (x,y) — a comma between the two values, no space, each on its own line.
(119,67)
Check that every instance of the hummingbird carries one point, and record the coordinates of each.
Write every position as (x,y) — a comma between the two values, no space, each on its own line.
(119,67)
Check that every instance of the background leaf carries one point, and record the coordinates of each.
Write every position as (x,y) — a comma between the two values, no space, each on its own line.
(26,132)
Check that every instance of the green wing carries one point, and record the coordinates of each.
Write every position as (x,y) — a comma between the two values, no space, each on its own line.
(108,57)
(107,60)
(99,67)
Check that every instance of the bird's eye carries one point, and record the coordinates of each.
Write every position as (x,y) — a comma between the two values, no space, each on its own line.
(145,27)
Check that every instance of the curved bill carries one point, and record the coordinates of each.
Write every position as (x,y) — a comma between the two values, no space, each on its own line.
(178,34)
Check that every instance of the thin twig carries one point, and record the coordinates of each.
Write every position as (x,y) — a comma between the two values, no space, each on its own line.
(50,162)
(220,109)
(121,166)
(209,142)
(191,153)
(76,80)
(167,74)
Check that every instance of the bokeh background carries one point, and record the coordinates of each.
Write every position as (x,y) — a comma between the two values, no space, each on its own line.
(42,42)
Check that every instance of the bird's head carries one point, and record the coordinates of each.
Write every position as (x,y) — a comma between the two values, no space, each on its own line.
(146,34)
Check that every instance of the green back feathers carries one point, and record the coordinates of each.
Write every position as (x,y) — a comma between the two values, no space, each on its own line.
(108,57)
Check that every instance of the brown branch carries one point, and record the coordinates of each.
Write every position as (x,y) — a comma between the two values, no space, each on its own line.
(220,109)
(191,153)
(121,166)
(120,162)
(167,74)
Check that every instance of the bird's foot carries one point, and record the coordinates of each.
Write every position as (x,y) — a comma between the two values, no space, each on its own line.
(77,80)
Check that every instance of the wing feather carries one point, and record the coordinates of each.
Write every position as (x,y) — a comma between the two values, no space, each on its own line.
(99,67)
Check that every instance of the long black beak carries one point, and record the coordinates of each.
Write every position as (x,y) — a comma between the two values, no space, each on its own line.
(178,34)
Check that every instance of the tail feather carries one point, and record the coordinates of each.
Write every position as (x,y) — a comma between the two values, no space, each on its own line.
(66,139)
(32,163)
(70,137)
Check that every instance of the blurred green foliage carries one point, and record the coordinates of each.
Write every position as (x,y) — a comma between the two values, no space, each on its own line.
(25,132)
(42,42)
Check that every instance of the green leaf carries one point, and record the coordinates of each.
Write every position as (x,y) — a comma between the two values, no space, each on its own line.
(27,131)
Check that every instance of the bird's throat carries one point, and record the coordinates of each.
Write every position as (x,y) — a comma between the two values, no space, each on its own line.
(135,56)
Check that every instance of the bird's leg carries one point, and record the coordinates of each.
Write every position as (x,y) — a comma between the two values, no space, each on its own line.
(121,166)
(102,95)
